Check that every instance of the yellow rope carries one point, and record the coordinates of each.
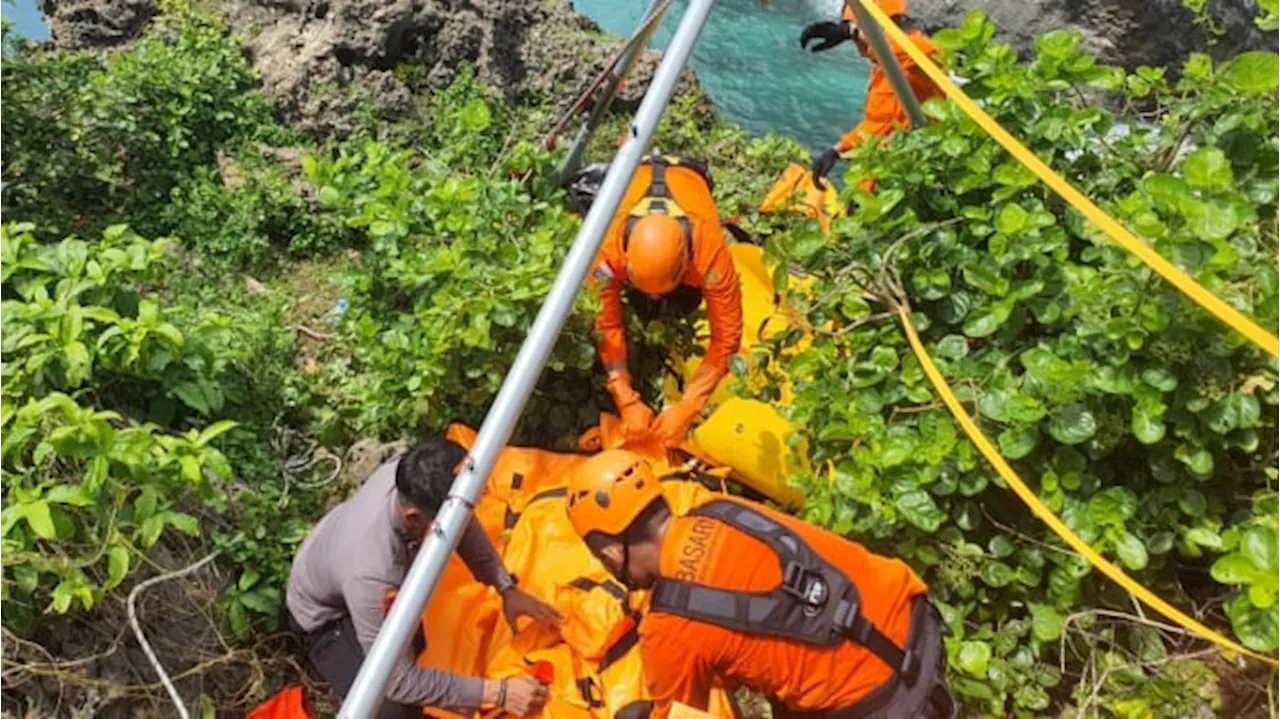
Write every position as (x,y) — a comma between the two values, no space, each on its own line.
(1046,515)
(1115,230)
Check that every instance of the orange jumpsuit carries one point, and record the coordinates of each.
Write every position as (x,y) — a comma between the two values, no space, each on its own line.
(711,270)
(882,113)
(683,656)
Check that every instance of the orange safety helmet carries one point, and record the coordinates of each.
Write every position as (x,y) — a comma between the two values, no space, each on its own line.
(608,492)
(657,254)
(892,8)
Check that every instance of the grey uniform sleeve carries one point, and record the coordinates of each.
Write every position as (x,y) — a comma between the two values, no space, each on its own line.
(409,683)
(480,557)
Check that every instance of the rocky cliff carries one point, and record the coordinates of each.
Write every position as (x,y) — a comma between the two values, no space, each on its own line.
(320,58)
(1120,32)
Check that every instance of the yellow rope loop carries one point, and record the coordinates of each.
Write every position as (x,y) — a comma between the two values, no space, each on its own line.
(1189,287)
(1047,516)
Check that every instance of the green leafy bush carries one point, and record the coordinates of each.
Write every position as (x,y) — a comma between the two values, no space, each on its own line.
(89,137)
(1126,406)
(87,489)
(456,269)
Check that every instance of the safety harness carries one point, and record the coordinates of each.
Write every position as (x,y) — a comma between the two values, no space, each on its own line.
(815,603)
(658,200)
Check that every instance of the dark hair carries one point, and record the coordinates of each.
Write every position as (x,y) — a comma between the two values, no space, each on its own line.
(426,472)
(643,528)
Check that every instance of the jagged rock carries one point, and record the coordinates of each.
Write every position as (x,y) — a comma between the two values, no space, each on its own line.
(89,24)
(320,59)
(1120,32)
(366,455)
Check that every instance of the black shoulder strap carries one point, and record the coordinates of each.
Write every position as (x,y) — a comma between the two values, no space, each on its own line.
(815,603)
(658,177)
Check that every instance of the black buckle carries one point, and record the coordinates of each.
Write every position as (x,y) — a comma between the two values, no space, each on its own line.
(804,585)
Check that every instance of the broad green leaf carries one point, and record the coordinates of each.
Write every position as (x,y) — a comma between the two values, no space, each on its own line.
(1001,546)
(1197,459)
(1132,552)
(73,494)
(1193,503)
(149,531)
(1207,167)
(987,320)
(1259,544)
(952,347)
(1254,72)
(117,566)
(996,574)
(1148,425)
(1115,380)
(1057,44)
(248,578)
(885,357)
(329,197)
(1257,629)
(1234,569)
(1210,221)
(61,596)
(27,578)
(918,507)
(192,395)
(182,522)
(1160,378)
(807,244)
(214,431)
(994,404)
(1165,189)
(1012,219)
(1046,622)
(260,601)
(1016,443)
(973,658)
(40,519)
(985,276)
(144,507)
(1204,537)
(1113,506)
(1072,424)
(1023,407)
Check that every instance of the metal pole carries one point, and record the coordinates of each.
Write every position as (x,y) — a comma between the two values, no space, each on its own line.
(573,160)
(880,47)
(366,693)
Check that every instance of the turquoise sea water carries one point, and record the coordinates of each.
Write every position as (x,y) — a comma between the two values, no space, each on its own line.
(750,61)
(748,57)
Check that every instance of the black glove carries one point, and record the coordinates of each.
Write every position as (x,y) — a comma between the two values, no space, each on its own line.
(822,165)
(831,34)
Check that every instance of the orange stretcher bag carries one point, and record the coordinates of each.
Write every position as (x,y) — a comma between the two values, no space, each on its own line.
(795,190)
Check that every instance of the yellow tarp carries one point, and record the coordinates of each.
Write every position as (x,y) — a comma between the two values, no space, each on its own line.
(795,191)
(748,436)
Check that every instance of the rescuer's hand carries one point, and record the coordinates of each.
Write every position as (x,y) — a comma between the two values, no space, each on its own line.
(518,603)
(636,417)
(672,426)
(830,33)
(822,165)
(525,696)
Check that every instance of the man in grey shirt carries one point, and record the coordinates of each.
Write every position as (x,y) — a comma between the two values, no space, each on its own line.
(347,572)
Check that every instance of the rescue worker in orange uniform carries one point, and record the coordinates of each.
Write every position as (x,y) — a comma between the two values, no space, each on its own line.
(666,246)
(882,113)
(742,595)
